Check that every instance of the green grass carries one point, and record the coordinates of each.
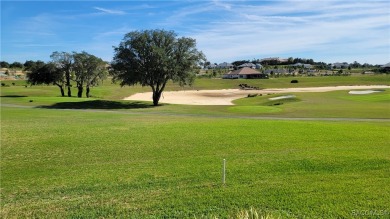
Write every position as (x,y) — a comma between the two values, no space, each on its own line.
(254,110)
(111,91)
(98,164)
(107,158)
(336,104)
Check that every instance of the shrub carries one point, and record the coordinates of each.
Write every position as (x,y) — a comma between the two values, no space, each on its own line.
(294,81)
(252,95)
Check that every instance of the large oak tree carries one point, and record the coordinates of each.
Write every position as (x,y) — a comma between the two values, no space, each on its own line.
(89,70)
(153,57)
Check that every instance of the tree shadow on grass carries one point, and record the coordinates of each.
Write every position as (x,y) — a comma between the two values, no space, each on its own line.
(12,96)
(98,104)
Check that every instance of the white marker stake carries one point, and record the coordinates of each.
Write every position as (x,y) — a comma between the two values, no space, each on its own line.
(224,172)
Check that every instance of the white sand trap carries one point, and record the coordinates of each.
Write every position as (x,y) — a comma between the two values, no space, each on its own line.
(225,97)
(282,97)
(363,91)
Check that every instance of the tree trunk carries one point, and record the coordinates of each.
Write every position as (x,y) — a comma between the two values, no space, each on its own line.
(157,91)
(68,84)
(80,91)
(67,75)
(69,92)
(61,89)
(156,97)
(87,92)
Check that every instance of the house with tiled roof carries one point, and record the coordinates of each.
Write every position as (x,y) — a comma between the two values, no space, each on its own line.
(245,73)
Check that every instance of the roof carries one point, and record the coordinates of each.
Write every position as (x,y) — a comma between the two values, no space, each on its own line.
(297,64)
(301,64)
(386,65)
(248,64)
(274,59)
(211,66)
(244,71)
(341,64)
(225,64)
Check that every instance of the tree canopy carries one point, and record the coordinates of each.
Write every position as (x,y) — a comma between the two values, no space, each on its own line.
(16,65)
(89,70)
(64,63)
(41,73)
(4,64)
(153,57)
(83,68)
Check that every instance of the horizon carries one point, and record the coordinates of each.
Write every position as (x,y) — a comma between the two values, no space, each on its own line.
(226,31)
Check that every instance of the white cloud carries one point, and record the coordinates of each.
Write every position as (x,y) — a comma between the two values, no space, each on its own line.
(355,30)
(110,11)
(324,30)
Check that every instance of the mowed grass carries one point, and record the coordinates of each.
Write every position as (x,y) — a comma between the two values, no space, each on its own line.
(335,104)
(111,91)
(85,164)
(111,158)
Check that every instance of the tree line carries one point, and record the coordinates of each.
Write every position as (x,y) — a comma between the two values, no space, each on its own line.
(84,69)
(149,58)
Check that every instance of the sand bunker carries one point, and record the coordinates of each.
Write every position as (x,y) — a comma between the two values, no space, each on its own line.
(364,91)
(225,97)
(282,97)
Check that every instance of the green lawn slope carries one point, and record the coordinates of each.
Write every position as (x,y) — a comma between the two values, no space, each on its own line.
(315,155)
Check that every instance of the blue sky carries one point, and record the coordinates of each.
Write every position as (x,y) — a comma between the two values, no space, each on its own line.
(328,31)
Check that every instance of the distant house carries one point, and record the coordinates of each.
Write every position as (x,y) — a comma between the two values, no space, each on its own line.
(386,66)
(3,74)
(248,65)
(225,65)
(340,65)
(211,66)
(273,60)
(307,66)
(245,73)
